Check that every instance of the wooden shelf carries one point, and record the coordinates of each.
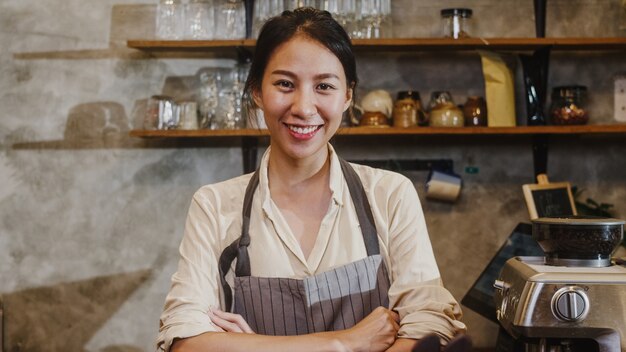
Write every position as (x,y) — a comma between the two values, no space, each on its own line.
(385,131)
(404,44)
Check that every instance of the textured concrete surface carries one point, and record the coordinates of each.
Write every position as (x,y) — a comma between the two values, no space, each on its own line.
(91,219)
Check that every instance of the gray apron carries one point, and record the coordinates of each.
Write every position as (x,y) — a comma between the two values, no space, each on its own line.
(333,300)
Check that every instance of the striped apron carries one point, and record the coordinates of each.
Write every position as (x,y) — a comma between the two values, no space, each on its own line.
(333,300)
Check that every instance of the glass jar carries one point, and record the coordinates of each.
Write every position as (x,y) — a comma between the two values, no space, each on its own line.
(422,119)
(569,105)
(230,22)
(456,22)
(475,111)
(170,19)
(199,19)
(443,112)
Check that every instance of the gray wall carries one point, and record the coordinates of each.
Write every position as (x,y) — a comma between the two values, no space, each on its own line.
(91,218)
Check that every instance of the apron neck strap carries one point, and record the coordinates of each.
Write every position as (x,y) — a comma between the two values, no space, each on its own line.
(359,199)
(362,207)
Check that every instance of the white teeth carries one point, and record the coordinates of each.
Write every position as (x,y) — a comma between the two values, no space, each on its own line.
(303,130)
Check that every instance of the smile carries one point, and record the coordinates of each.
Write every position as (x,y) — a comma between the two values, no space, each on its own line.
(303,130)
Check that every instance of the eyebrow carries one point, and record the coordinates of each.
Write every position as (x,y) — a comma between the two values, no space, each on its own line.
(292,75)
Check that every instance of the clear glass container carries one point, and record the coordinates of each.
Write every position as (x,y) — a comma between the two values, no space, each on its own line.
(199,19)
(230,19)
(170,19)
(456,22)
(569,105)
(443,112)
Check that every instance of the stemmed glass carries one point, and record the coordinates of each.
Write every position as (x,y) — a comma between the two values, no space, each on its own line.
(374,13)
(344,12)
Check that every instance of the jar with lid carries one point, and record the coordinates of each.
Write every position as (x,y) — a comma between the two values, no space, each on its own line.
(443,112)
(422,119)
(569,105)
(404,113)
(475,111)
(456,22)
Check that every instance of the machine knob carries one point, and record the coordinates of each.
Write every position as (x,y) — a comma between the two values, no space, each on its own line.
(570,304)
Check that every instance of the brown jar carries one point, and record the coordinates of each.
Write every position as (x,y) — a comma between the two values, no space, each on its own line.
(422,119)
(405,113)
(475,111)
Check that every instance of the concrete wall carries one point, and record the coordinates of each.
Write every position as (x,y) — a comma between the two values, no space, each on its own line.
(91,218)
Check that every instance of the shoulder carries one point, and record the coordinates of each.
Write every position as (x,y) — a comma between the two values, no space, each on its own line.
(223,195)
(380,180)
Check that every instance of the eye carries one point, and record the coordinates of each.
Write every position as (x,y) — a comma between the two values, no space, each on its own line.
(324,86)
(283,84)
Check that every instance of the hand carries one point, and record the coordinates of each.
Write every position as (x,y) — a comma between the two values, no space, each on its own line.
(376,332)
(430,343)
(229,322)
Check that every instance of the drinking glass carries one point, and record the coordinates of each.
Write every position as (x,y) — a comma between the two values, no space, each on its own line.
(231,20)
(199,19)
(344,12)
(170,19)
(294,4)
(210,83)
(264,10)
(373,14)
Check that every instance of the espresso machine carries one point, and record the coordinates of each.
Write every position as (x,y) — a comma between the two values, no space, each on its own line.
(571,299)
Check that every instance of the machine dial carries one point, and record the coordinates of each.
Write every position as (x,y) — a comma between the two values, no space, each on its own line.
(570,303)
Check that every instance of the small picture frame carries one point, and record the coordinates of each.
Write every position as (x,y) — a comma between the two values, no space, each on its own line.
(546,199)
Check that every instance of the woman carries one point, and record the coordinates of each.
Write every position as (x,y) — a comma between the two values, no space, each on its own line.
(309,253)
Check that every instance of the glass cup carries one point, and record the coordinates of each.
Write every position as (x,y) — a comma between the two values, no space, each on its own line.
(343,11)
(161,113)
(199,19)
(230,20)
(170,19)
(294,4)
(209,86)
(373,14)
(188,115)
(263,11)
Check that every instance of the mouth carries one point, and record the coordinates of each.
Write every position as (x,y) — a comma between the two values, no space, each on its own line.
(303,132)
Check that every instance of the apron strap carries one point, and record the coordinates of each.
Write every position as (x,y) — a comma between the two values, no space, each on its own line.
(362,207)
(239,248)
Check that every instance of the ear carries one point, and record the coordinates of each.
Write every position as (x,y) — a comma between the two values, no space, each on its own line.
(349,95)
(256,96)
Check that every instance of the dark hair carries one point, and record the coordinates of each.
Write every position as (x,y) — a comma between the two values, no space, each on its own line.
(315,24)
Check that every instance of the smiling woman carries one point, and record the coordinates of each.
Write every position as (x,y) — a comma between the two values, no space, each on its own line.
(310,252)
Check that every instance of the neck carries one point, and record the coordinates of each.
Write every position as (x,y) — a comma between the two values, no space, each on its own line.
(288,174)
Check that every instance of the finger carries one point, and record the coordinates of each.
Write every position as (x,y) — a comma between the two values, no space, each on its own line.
(235,319)
(223,323)
(395,316)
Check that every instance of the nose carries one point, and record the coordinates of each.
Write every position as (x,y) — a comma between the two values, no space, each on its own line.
(304,104)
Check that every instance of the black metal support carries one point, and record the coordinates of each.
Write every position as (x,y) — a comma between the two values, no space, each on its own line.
(249,6)
(540,154)
(445,165)
(540,18)
(249,148)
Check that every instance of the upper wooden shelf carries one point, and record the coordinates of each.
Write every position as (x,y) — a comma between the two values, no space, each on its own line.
(404,44)
(373,131)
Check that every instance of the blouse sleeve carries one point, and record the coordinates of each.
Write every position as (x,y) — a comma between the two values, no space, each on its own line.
(195,285)
(416,291)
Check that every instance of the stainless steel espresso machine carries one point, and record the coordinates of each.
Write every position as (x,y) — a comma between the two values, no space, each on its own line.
(573,299)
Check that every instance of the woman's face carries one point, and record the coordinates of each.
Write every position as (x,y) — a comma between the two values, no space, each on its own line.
(303,96)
